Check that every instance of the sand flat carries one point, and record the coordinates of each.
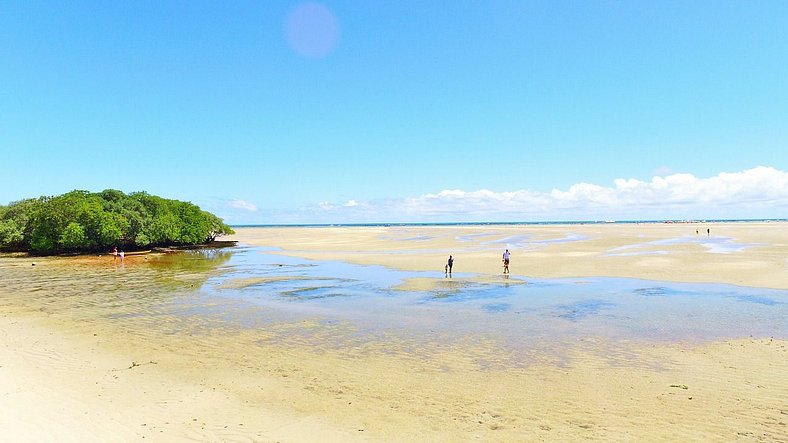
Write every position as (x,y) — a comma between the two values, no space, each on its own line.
(555,250)
(60,383)
(84,360)
(66,387)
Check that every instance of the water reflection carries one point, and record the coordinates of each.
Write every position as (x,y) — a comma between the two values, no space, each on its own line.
(57,284)
(250,288)
(623,308)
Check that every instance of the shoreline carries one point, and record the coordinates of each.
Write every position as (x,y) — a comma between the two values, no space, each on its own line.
(217,244)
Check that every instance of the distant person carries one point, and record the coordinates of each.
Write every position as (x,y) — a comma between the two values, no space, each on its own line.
(114,253)
(450,264)
(506,256)
(696,232)
(708,232)
(122,256)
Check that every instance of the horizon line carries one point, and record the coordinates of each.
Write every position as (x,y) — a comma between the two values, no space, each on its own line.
(502,223)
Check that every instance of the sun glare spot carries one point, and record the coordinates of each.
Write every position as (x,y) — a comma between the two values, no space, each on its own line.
(311,30)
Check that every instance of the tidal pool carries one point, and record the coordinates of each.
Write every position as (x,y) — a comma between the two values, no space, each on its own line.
(713,245)
(255,288)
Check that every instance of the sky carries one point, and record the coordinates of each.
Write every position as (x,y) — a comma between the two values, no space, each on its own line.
(402,111)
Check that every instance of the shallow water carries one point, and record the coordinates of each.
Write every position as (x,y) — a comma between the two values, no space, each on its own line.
(526,242)
(714,245)
(254,288)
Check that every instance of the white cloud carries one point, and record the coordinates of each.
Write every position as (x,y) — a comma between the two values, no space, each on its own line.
(243,205)
(759,192)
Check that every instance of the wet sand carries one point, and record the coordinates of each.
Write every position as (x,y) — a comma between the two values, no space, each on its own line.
(746,254)
(92,353)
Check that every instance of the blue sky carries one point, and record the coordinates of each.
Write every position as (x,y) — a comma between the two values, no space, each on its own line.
(359,111)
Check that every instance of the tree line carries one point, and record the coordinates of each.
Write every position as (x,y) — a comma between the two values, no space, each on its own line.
(82,221)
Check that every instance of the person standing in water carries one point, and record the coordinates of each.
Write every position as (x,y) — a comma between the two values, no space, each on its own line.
(450,264)
(506,256)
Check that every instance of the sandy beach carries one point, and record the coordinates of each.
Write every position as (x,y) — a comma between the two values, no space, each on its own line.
(82,360)
(747,254)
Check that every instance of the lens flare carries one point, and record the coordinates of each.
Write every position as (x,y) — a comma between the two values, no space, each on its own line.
(311,30)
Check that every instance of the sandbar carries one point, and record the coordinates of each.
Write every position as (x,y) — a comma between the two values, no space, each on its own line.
(681,252)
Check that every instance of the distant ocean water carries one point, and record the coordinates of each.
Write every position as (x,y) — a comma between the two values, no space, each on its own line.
(503,223)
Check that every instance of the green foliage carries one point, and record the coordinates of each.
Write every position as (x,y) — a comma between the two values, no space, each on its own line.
(73,236)
(217,227)
(84,221)
(10,233)
(14,225)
